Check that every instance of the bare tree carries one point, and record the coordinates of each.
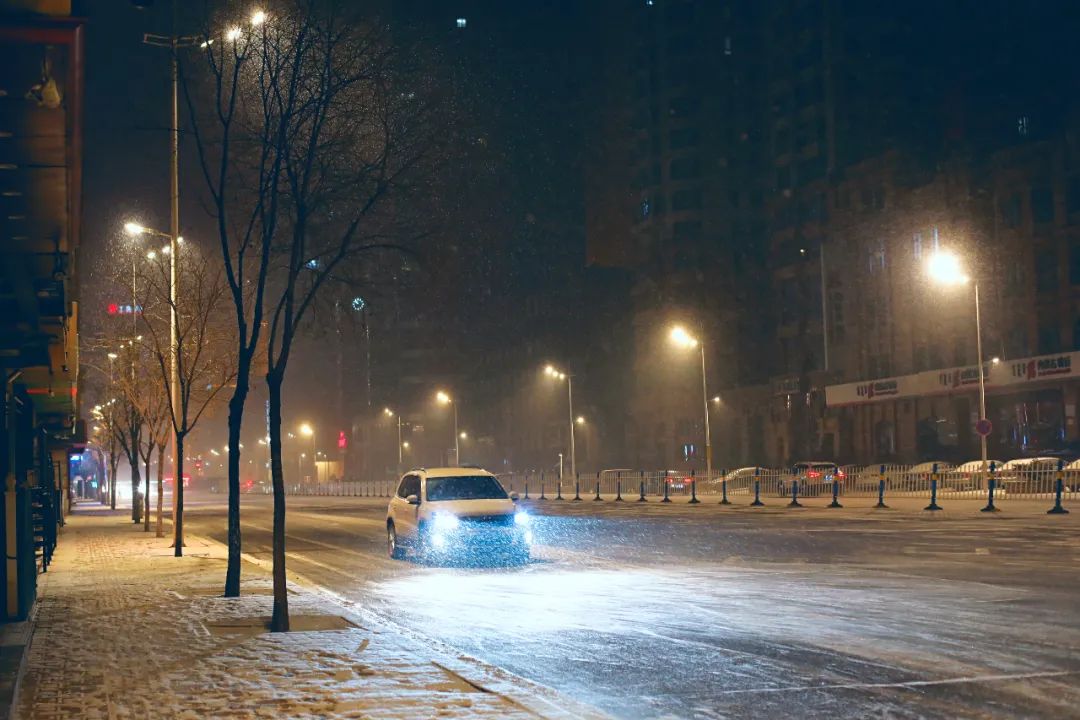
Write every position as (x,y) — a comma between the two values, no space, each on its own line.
(106,420)
(155,413)
(205,364)
(118,415)
(304,123)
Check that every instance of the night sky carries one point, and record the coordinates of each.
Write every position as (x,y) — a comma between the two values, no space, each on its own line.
(509,219)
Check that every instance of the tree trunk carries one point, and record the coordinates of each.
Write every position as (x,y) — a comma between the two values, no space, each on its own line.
(160,490)
(178,493)
(236,418)
(135,482)
(112,482)
(146,493)
(279,622)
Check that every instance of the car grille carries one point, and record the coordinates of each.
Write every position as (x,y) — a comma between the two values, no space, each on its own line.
(488,520)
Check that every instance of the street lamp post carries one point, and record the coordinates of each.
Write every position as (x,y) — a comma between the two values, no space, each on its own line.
(445,399)
(309,432)
(683,339)
(174,239)
(112,433)
(553,372)
(390,413)
(944,268)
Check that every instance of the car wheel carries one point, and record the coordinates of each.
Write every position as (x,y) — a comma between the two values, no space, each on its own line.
(393,550)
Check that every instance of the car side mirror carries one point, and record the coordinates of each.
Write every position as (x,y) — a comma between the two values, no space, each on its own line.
(514,496)
(412,499)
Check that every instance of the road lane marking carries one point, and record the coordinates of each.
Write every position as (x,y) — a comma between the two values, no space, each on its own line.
(328,546)
(304,559)
(906,684)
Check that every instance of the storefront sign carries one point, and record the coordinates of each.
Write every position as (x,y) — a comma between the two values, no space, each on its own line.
(1019,372)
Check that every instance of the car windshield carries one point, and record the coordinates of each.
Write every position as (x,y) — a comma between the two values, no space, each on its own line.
(464,487)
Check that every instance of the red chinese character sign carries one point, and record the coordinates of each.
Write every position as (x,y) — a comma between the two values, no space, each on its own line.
(342,441)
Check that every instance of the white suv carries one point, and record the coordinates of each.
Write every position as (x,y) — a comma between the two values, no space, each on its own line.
(454,513)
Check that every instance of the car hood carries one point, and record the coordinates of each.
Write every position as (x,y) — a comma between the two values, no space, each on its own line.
(468,508)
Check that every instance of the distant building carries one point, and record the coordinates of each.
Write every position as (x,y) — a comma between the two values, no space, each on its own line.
(787,168)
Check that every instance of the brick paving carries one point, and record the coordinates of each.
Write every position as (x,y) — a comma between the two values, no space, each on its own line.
(125,630)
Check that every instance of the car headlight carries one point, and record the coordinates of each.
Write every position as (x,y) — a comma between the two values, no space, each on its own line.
(444,521)
(522,518)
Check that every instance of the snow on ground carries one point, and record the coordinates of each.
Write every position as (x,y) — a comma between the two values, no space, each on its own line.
(125,630)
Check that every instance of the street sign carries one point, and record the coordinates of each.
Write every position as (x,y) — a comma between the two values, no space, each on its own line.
(983,426)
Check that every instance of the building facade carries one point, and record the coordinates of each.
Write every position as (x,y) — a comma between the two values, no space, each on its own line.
(41,81)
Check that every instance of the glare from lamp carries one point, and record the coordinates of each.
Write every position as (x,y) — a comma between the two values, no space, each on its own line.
(682,338)
(944,267)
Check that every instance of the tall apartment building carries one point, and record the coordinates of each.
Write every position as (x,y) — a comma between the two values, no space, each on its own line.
(843,144)
(675,200)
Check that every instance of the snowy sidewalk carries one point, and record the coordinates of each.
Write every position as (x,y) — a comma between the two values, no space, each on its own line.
(125,630)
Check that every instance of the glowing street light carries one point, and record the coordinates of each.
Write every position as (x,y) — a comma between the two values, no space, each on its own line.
(683,339)
(390,413)
(134,228)
(556,374)
(944,268)
(580,420)
(258,18)
(308,431)
(444,399)
(463,435)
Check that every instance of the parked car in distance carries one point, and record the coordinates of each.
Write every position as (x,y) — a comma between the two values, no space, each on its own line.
(815,477)
(677,480)
(738,480)
(1030,474)
(968,476)
(1072,476)
(868,477)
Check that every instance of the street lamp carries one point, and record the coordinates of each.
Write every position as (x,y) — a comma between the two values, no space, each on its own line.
(945,268)
(134,229)
(681,338)
(555,374)
(309,432)
(444,399)
(390,413)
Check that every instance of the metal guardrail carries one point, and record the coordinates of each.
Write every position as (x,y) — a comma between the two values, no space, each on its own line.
(1037,480)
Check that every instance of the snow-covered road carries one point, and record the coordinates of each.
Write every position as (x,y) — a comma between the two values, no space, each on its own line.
(700,612)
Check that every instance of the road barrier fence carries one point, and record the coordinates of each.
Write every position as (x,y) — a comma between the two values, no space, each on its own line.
(754,485)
